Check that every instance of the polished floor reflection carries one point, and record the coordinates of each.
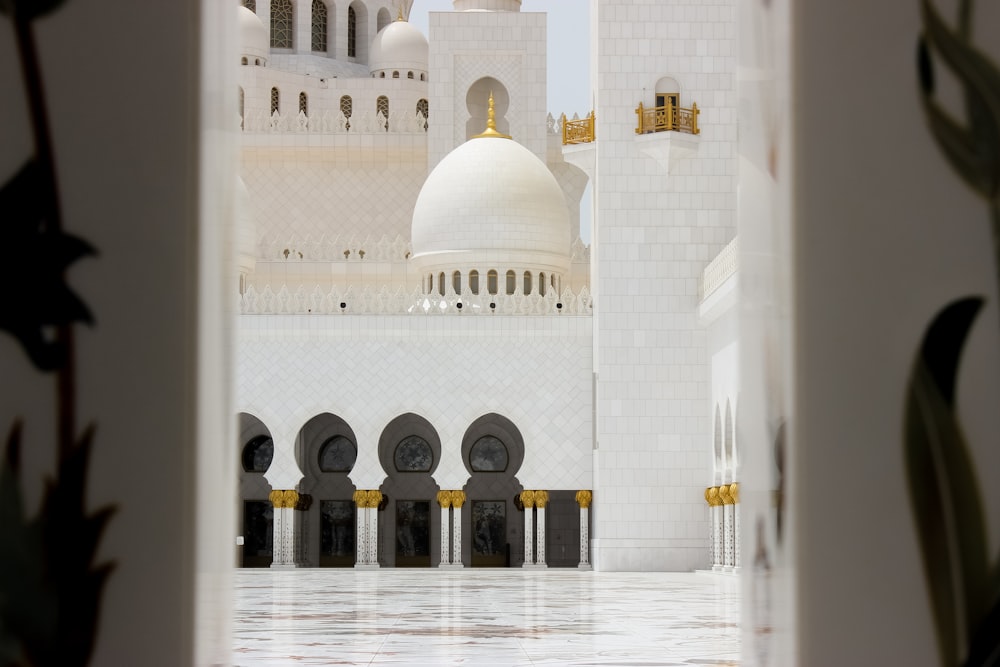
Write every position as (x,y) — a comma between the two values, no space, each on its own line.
(484,618)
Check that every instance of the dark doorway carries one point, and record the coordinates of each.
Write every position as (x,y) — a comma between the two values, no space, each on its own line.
(258,525)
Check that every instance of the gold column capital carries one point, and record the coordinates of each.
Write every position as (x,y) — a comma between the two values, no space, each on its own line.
(374,497)
(584,498)
(713,496)
(283,498)
(724,495)
(361,498)
(457,498)
(734,491)
(444,499)
(528,498)
(541,499)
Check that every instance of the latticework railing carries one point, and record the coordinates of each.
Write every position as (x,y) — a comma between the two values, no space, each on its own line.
(578,130)
(668,118)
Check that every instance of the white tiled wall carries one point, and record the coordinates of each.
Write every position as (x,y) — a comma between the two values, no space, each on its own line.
(654,235)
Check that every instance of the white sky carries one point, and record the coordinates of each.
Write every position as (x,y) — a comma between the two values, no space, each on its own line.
(568,70)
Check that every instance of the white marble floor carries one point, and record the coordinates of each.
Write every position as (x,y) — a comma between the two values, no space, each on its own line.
(485,618)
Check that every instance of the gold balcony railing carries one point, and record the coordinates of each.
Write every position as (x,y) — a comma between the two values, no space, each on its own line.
(578,131)
(667,118)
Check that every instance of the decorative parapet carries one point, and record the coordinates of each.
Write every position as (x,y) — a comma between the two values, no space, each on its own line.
(330,122)
(579,251)
(386,301)
(720,269)
(668,118)
(579,130)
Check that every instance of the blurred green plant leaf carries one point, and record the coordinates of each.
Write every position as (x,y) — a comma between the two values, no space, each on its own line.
(36,258)
(944,493)
(25,10)
(974,148)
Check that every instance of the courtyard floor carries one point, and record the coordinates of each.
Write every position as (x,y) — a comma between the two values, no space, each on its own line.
(484,617)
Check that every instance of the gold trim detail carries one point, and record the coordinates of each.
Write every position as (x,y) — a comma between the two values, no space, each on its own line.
(491,125)
(734,491)
(668,118)
(361,498)
(581,131)
(457,499)
(528,498)
(444,499)
(284,498)
(724,494)
(541,499)
(374,498)
(584,498)
(713,496)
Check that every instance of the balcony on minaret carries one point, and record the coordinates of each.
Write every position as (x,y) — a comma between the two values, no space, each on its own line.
(668,132)
(578,130)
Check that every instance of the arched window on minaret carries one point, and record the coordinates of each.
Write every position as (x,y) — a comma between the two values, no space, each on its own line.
(474,281)
(423,110)
(319,22)
(491,282)
(383,19)
(352,33)
(511,282)
(282,23)
(346,108)
(275,101)
(382,107)
(304,103)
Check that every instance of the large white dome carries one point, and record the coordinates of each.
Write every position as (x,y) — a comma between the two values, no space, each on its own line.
(399,46)
(254,40)
(491,204)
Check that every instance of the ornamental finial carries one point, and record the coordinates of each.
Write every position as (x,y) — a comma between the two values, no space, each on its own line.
(491,124)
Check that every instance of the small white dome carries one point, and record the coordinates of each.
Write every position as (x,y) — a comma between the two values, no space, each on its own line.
(491,204)
(399,46)
(254,40)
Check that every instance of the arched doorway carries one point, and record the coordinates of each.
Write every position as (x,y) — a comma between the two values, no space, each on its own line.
(257,522)
(493,451)
(410,450)
(326,450)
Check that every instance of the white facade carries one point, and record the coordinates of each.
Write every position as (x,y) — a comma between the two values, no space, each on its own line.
(412,283)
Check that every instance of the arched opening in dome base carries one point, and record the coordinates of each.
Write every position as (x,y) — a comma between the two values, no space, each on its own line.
(477,103)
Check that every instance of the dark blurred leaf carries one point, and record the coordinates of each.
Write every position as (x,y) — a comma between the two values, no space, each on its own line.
(28,607)
(36,257)
(944,493)
(974,150)
(28,9)
(985,649)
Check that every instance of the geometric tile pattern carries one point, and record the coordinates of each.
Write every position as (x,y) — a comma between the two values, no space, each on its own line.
(535,371)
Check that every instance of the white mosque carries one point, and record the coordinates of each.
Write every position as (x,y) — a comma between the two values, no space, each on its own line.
(433,369)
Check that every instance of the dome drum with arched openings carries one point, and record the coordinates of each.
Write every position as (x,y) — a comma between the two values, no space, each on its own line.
(491,203)
(255,43)
(399,47)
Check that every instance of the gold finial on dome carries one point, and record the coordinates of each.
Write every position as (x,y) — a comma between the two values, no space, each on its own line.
(491,125)
(399,16)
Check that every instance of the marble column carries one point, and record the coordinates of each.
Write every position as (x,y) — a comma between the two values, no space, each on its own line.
(444,500)
(457,500)
(374,500)
(584,498)
(361,537)
(734,492)
(528,500)
(283,547)
(727,526)
(715,503)
(367,502)
(541,501)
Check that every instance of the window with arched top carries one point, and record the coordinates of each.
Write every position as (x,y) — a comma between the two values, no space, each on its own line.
(243,60)
(304,103)
(423,77)
(423,109)
(527,282)
(382,107)
(346,108)
(319,22)
(492,281)
(282,23)
(251,5)
(352,33)
(381,75)
(409,75)
(395,75)
(413,454)
(474,281)
(337,454)
(511,282)
(541,284)
(258,453)
(441,283)
(488,454)
(382,19)
(456,282)
(275,101)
